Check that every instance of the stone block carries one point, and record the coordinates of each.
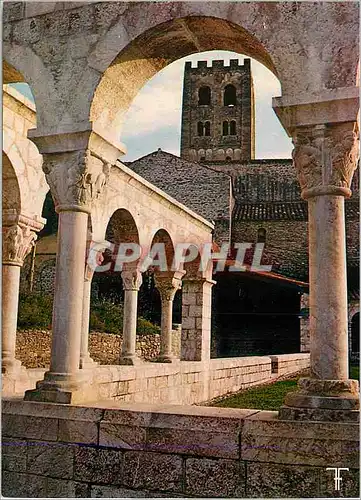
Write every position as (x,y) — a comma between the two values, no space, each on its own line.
(13,454)
(97,465)
(113,492)
(266,439)
(50,459)
(194,442)
(281,481)
(154,471)
(188,323)
(78,431)
(60,488)
(121,436)
(29,427)
(215,478)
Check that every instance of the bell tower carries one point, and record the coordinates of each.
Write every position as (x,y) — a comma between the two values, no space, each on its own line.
(218,112)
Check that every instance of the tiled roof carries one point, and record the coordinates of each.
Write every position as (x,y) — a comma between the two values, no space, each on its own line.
(270,211)
(292,210)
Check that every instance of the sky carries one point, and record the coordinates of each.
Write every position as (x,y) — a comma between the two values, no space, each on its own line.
(154,119)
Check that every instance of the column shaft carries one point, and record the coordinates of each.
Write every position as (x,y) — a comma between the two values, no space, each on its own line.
(166,330)
(85,360)
(10,301)
(328,288)
(129,327)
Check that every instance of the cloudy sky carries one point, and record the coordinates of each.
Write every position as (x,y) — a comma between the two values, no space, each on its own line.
(154,119)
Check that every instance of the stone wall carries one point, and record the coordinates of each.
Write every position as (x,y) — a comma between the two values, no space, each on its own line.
(144,451)
(185,382)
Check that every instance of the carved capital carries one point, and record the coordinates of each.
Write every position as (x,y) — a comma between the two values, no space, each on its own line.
(168,283)
(76,178)
(18,240)
(132,279)
(325,158)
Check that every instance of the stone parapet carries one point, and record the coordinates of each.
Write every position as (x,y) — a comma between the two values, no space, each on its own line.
(141,450)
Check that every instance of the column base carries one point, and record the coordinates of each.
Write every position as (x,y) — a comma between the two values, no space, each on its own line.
(130,360)
(165,358)
(87,362)
(62,388)
(11,367)
(325,400)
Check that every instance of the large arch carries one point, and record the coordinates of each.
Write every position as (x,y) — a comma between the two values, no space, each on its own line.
(11,195)
(156,48)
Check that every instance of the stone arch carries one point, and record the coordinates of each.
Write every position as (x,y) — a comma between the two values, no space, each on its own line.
(163,237)
(154,47)
(209,154)
(11,199)
(237,154)
(201,155)
(204,96)
(229,154)
(220,155)
(22,64)
(229,95)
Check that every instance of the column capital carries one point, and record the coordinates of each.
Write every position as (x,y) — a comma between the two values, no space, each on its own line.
(76,165)
(325,158)
(19,236)
(132,279)
(168,283)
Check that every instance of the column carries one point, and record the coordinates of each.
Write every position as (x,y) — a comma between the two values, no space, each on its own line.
(77,177)
(196,318)
(85,360)
(325,158)
(132,280)
(304,324)
(18,240)
(167,284)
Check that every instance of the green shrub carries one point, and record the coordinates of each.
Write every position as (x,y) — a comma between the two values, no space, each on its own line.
(145,327)
(35,311)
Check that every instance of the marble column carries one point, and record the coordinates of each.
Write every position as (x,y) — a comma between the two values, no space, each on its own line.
(167,283)
(196,318)
(18,240)
(73,178)
(325,158)
(132,280)
(85,359)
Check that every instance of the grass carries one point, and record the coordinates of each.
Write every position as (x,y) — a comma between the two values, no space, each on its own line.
(267,397)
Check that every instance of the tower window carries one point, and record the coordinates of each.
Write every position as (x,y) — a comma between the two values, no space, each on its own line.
(233,128)
(200,129)
(204,96)
(261,235)
(207,128)
(230,96)
(225,130)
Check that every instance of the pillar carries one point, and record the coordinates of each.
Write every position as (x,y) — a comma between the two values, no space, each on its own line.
(325,158)
(85,360)
(18,239)
(77,176)
(196,318)
(132,280)
(167,284)
(304,324)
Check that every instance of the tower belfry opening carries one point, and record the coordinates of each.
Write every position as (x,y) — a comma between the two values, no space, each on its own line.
(218,111)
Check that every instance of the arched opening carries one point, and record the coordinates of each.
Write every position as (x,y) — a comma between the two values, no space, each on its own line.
(230,95)
(355,334)
(225,130)
(11,199)
(232,128)
(204,96)
(207,128)
(200,129)
(261,235)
